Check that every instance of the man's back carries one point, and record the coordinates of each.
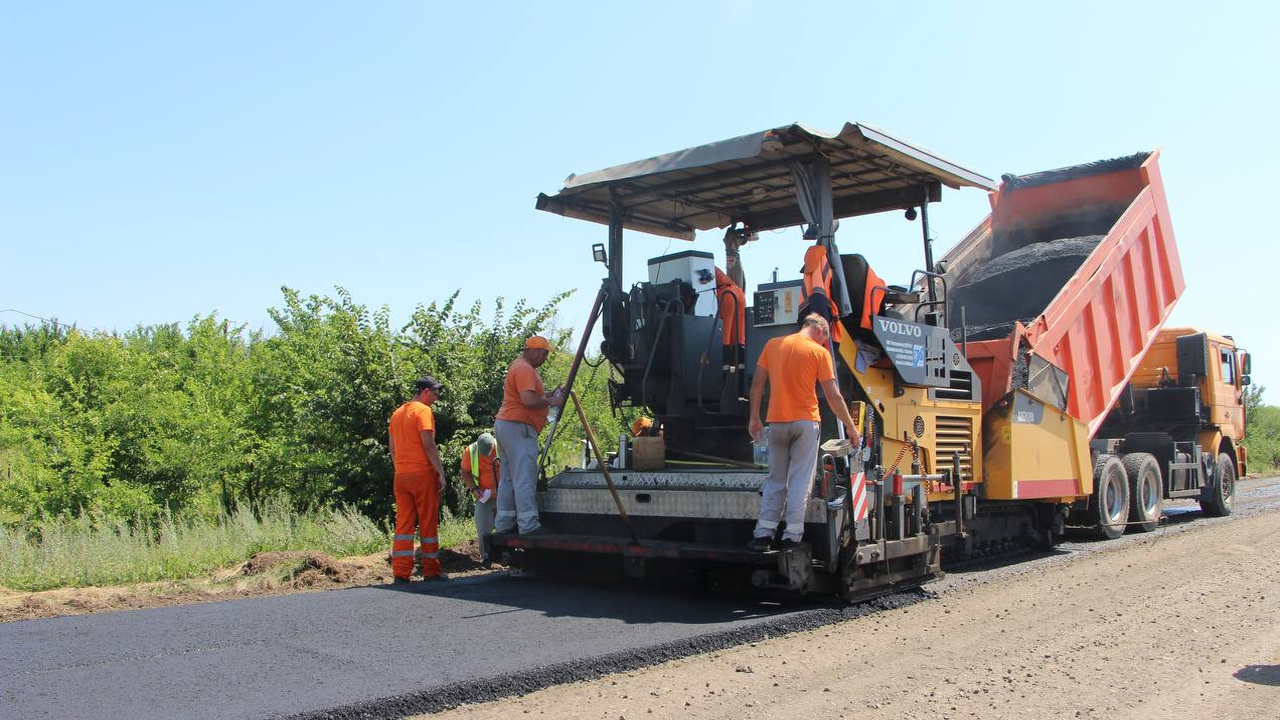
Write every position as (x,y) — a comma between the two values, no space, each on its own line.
(407,423)
(795,364)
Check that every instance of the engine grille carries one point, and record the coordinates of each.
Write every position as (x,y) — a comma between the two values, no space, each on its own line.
(954,434)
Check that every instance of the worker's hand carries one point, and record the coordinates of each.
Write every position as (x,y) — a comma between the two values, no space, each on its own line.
(755,427)
(852,433)
(440,482)
(556,399)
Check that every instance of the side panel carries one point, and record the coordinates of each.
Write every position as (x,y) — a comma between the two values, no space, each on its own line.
(1032,451)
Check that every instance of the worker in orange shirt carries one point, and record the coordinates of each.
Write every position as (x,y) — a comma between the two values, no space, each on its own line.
(523,414)
(791,366)
(480,469)
(732,305)
(419,480)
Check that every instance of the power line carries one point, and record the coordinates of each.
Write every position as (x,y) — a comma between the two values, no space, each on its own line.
(55,323)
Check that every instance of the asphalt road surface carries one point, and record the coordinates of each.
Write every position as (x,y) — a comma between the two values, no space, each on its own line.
(388,652)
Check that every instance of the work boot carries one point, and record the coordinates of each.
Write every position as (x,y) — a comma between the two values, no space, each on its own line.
(435,578)
(397,580)
(787,544)
(540,530)
(760,544)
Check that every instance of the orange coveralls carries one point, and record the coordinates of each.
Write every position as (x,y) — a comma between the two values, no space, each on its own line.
(417,491)
(817,278)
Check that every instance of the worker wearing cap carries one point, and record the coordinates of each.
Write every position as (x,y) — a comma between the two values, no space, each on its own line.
(419,480)
(480,467)
(523,414)
(791,366)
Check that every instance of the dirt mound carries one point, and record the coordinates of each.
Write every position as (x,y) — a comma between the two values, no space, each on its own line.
(461,558)
(266,573)
(305,569)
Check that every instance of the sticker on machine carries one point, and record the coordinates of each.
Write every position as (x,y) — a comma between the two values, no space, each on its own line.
(859,497)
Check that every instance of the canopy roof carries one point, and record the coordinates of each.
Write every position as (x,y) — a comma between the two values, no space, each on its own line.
(748,179)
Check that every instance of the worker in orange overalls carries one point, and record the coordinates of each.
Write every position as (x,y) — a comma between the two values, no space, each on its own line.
(817,289)
(419,480)
(732,309)
(480,468)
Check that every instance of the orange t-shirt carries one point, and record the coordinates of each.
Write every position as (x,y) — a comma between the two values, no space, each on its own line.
(795,364)
(521,376)
(407,422)
(488,479)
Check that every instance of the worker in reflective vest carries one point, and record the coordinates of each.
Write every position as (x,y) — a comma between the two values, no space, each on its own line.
(480,469)
(419,480)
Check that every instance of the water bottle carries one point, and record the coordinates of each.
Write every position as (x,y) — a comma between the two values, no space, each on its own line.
(760,449)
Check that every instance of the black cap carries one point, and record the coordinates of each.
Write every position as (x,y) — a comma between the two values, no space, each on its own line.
(426,382)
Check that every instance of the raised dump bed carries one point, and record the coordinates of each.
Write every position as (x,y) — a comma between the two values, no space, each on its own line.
(1065,285)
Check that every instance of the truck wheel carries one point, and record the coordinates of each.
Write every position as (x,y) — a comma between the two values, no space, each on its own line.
(1224,491)
(1109,506)
(1146,491)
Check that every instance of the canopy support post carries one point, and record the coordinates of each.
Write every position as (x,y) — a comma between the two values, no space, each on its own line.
(616,212)
(928,243)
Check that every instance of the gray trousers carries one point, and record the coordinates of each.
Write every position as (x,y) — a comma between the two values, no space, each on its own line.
(485,513)
(793,460)
(518,486)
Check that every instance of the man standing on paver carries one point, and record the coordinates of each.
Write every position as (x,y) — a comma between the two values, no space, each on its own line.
(419,480)
(480,467)
(791,366)
(523,414)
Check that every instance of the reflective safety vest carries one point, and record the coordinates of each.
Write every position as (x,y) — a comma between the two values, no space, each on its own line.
(474,451)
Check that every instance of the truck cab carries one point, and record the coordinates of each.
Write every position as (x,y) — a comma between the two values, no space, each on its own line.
(1211,372)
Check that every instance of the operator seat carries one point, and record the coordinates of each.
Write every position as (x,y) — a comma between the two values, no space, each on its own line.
(867,293)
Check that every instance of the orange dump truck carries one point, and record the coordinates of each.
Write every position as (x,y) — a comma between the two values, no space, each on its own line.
(1058,299)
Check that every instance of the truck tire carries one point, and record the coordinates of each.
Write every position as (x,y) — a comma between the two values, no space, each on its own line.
(1146,491)
(1109,505)
(1224,489)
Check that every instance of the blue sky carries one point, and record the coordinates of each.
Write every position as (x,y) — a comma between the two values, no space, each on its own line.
(163,160)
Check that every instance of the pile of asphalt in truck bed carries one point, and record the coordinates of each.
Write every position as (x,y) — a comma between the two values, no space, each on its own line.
(1018,285)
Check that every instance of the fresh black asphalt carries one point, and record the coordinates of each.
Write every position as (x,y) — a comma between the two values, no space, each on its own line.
(372,652)
(388,652)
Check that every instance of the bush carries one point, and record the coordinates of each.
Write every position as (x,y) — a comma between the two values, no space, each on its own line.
(162,421)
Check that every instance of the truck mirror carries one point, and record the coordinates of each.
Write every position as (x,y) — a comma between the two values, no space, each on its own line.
(1245,380)
(1246,364)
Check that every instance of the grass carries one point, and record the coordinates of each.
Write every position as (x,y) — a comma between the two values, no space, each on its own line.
(89,550)
(454,531)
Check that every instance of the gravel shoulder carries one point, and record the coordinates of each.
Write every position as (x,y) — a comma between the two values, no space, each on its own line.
(1180,623)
